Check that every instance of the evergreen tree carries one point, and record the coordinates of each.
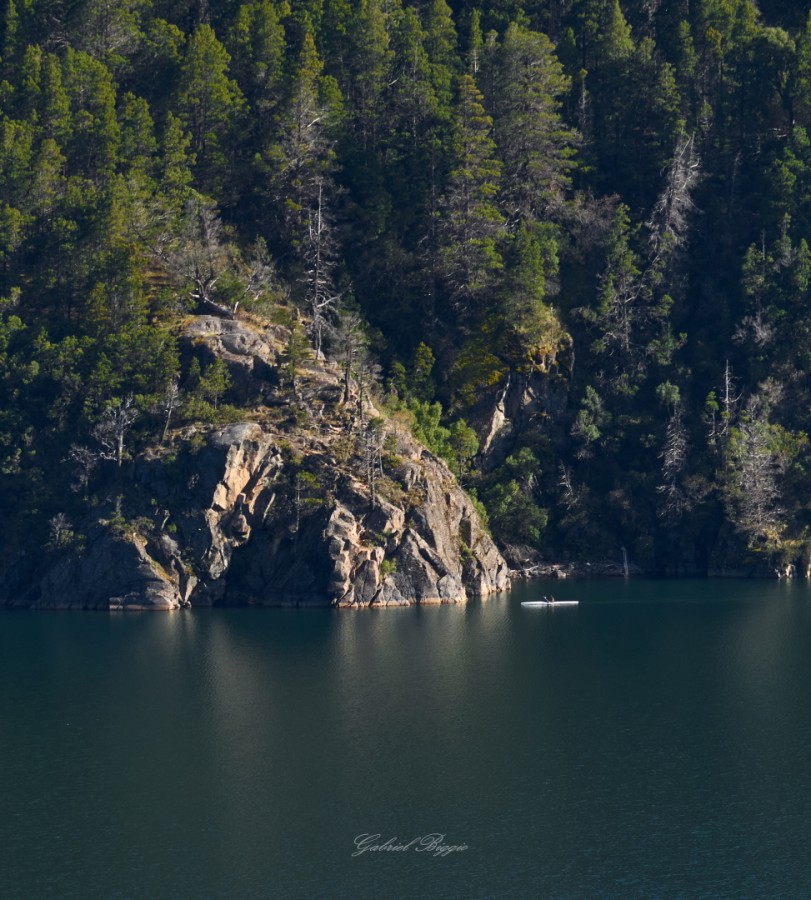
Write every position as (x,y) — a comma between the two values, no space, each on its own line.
(622,313)
(535,145)
(212,107)
(530,334)
(441,47)
(95,136)
(110,32)
(469,223)
(147,171)
(302,163)
(368,63)
(257,43)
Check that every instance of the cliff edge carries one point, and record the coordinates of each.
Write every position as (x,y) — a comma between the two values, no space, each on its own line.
(318,499)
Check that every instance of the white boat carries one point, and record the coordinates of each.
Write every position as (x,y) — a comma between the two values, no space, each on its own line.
(549,602)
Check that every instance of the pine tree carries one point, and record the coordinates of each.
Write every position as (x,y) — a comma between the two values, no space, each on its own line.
(256,42)
(302,163)
(109,31)
(95,137)
(440,45)
(535,145)
(177,161)
(469,224)
(621,308)
(139,145)
(529,331)
(802,84)
(368,64)
(214,382)
(212,107)
(412,99)
(10,43)
(54,111)
(297,351)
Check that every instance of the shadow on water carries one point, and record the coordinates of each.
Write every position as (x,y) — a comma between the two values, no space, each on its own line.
(653,741)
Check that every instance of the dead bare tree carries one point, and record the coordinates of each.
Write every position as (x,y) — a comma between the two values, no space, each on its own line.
(669,223)
(85,461)
(60,531)
(169,403)
(198,256)
(320,255)
(568,494)
(372,442)
(350,343)
(722,410)
(201,255)
(111,430)
(756,460)
(674,500)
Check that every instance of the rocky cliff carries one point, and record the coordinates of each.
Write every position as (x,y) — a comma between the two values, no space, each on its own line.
(287,509)
(523,402)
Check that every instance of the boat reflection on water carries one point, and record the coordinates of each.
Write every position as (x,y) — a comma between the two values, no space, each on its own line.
(549,601)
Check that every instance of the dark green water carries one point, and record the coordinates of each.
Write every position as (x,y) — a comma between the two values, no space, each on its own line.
(653,742)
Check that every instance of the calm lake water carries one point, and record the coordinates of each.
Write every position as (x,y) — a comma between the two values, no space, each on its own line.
(653,742)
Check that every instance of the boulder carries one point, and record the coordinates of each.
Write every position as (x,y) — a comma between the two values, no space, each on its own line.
(116,573)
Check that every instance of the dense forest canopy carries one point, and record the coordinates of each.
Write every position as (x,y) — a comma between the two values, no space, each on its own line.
(606,202)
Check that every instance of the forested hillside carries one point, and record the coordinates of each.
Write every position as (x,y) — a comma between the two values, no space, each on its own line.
(565,240)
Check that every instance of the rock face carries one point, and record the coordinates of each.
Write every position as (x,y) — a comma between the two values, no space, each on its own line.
(353,552)
(258,513)
(247,353)
(116,572)
(522,402)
